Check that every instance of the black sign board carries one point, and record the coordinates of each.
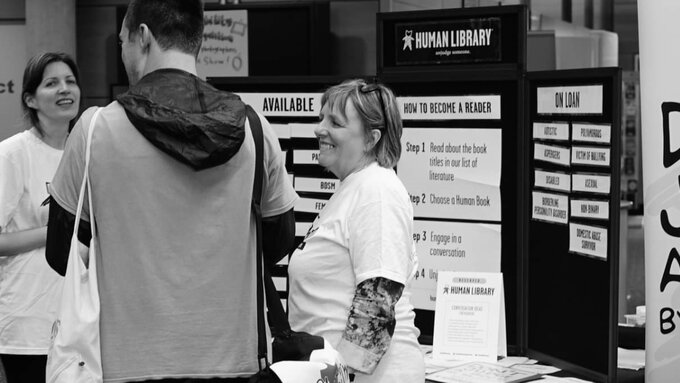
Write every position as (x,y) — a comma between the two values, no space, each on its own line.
(477,39)
(458,41)
(573,261)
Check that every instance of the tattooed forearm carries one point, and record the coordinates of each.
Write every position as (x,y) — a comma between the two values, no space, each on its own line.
(371,321)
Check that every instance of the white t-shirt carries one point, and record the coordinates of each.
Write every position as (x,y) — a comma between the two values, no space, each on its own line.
(364,231)
(28,286)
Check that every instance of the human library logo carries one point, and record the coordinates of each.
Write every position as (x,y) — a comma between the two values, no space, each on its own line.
(408,40)
(434,42)
(447,38)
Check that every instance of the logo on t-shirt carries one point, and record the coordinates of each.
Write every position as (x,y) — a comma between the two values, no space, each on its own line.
(312,230)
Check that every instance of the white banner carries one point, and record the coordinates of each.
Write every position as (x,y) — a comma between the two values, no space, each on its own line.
(12,62)
(659,76)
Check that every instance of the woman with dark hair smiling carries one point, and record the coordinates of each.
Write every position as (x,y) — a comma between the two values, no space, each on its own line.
(29,288)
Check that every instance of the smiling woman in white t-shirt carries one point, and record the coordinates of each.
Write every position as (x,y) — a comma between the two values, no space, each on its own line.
(350,277)
(28,161)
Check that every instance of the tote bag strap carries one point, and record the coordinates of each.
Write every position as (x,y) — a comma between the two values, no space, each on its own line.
(86,181)
(256,128)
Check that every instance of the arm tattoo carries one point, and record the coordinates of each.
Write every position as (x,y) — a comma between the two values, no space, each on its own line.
(371,320)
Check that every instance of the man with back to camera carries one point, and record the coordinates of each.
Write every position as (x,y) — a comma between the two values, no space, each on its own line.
(172,167)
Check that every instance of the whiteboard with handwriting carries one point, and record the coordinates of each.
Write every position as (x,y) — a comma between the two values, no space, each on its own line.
(224,52)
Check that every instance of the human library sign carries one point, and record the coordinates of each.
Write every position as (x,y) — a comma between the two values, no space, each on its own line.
(450,41)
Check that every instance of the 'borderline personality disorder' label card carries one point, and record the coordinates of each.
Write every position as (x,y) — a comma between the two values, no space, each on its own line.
(452,173)
(550,207)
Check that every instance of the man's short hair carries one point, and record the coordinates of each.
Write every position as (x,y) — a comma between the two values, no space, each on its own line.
(176,24)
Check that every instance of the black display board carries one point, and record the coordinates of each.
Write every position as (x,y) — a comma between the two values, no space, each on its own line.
(509,90)
(452,39)
(287,38)
(573,136)
(493,68)
(284,38)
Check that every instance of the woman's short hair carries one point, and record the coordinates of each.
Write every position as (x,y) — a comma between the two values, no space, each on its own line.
(176,24)
(33,76)
(377,107)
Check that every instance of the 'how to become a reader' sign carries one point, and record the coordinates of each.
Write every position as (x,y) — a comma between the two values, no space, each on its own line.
(485,107)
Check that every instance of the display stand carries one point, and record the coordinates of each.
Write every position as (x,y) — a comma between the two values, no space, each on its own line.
(441,64)
(572,278)
(507,171)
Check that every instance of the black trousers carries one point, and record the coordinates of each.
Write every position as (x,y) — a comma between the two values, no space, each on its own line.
(31,369)
(24,368)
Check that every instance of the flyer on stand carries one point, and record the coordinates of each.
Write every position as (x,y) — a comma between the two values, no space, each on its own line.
(469,314)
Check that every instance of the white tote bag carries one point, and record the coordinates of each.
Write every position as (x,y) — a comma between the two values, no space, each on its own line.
(75,354)
(325,363)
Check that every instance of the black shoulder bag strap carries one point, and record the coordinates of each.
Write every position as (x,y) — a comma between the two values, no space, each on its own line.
(256,128)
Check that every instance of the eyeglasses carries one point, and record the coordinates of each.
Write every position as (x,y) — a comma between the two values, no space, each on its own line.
(368,88)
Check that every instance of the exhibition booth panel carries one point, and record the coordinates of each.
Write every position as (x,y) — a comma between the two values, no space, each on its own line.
(508,172)
(573,153)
